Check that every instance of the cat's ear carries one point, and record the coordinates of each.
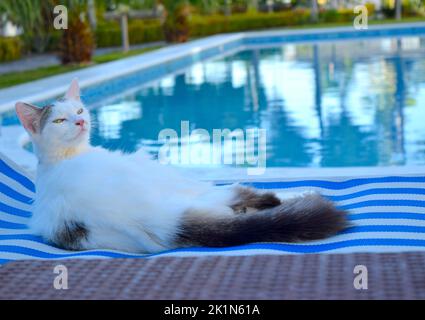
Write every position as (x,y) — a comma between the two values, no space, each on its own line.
(30,116)
(73,91)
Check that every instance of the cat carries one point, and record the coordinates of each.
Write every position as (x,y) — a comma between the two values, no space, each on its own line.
(91,198)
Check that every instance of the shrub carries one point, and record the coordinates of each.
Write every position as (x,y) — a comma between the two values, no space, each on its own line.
(76,44)
(176,25)
(108,34)
(409,9)
(10,49)
(139,32)
(343,15)
(106,37)
(204,26)
(334,15)
(370,8)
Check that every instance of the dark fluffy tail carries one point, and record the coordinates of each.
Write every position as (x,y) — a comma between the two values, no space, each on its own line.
(309,217)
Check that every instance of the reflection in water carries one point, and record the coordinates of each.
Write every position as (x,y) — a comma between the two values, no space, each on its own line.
(357,103)
(110,118)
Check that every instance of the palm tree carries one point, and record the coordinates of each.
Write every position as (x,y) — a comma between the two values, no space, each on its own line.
(33,17)
(77,42)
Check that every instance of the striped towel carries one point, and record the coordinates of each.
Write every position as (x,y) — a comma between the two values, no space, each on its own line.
(388,214)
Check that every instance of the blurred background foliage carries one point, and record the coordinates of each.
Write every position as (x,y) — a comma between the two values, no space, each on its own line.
(182,20)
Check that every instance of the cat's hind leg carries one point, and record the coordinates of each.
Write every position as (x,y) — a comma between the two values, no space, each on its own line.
(248,200)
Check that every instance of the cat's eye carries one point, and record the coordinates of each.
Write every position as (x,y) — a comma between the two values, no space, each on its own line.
(59,121)
(80,111)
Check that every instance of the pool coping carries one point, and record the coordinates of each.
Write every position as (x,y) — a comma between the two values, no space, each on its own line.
(48,88)
(11,143)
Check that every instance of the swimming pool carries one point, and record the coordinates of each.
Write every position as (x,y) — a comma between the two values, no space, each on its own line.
(323,104)
(354,103)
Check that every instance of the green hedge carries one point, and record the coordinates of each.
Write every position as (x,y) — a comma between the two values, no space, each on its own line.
(10,49)
(343,15)
(208,25)
(139,32)
(108,33)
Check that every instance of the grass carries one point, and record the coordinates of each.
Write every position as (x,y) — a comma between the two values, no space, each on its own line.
(15,78)
(120,55)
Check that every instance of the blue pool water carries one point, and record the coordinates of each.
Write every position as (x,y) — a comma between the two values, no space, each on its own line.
(350,103)
(324,104)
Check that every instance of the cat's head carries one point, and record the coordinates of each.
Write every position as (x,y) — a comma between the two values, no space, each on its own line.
(58,130)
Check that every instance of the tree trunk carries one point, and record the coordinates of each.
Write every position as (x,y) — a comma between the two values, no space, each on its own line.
(92,13)
(314,11)
(270,4)
(124,33)
(398,9)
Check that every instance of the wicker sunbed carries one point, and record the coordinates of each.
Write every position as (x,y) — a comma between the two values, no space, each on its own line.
(315,276)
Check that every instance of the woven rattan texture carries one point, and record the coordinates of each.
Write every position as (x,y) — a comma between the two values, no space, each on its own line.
(325,276)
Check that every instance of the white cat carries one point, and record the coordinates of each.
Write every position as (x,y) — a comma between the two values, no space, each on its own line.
(91,198)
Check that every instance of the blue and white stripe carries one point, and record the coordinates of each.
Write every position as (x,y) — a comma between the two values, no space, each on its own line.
(388,214)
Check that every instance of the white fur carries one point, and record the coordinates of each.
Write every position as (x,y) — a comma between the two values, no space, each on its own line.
(127,202)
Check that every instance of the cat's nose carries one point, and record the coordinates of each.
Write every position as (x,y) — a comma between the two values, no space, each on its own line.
(79,122)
